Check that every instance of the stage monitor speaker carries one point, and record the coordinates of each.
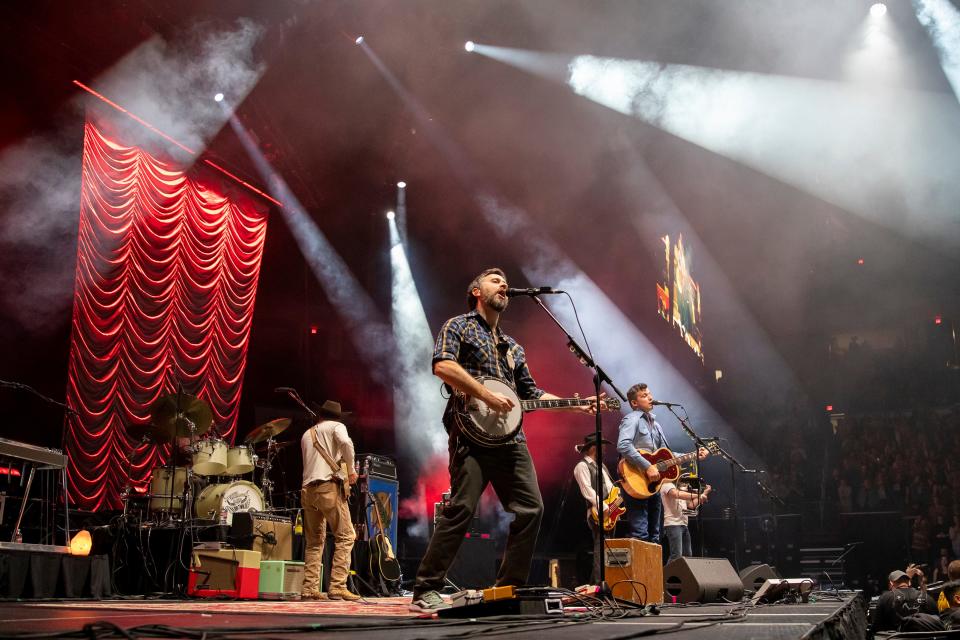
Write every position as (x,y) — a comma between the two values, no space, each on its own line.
(755,575)
(702,580)
(475,564)
(630,563)
(271,535)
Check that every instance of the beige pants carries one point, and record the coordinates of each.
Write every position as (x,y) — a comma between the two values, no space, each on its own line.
(323,504)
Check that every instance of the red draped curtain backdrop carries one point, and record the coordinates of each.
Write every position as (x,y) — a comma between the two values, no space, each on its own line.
(167,273)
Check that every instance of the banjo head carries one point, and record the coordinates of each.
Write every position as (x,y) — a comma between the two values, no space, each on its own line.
(488,427)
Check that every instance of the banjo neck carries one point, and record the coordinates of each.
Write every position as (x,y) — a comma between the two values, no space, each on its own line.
(557,403)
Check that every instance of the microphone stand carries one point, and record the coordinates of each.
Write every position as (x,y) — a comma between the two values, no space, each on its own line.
(599,377)
(698,444)
(850,547)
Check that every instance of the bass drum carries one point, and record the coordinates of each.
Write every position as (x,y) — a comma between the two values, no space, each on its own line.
(232,497)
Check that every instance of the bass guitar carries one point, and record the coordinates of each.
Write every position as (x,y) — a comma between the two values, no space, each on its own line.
(383,562)
(488,428)
(635,482)
(612,513)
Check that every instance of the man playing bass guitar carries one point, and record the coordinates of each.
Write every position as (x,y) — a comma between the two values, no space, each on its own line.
(640,431)
(586,475)
(470,346)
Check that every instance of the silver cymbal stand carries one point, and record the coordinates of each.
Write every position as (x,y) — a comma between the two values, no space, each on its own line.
(266,484)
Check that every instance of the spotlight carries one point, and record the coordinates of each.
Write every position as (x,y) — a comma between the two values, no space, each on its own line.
(391,215)
(469,46)
(218,97)
(359,40)
(878,10)
(402,184)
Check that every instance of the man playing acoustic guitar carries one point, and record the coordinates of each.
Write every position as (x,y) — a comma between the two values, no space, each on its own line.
(470,346)
(640,431)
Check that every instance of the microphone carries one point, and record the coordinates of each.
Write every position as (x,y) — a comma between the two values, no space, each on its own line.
(532,291)
(661,403)
(284,390)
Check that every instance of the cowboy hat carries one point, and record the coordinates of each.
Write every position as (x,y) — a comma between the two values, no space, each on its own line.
(332,409)
(589,441)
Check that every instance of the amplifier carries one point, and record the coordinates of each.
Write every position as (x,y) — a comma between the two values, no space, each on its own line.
(371,464)
(280,580)
(271,535)
(228,572)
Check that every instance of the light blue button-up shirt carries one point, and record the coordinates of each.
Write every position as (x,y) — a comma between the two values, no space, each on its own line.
(637,433)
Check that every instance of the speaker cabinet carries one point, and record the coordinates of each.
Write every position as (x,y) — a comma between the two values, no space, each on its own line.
(475,564)
(630,563)
(702,580)
(755,575)
(271,535)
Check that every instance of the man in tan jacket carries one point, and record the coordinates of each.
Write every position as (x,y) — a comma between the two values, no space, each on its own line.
(327,470)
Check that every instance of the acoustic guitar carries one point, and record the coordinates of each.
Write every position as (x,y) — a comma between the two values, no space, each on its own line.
(383,562)
(634,481)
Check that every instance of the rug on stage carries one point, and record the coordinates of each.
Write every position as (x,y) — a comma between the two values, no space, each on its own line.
(367,607)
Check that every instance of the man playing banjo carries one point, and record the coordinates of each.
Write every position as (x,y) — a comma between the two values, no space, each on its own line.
(469,347)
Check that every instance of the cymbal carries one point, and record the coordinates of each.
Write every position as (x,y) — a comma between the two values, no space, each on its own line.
(166,420)
(268,430)
(147,432)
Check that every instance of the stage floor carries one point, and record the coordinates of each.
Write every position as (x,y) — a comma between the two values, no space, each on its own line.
(389,618)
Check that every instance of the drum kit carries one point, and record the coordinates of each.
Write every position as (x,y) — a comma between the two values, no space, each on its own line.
(215,471)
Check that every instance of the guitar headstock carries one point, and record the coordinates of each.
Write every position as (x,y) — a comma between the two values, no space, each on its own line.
(713,447)
(613,404)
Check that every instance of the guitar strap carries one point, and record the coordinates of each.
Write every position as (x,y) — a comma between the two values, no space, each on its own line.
(330,461)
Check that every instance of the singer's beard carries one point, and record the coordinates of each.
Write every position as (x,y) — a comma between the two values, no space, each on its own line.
(497,303)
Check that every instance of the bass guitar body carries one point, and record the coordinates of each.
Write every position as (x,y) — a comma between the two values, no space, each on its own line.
(614,510)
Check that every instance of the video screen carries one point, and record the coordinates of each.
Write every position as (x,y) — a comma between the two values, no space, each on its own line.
(678,295)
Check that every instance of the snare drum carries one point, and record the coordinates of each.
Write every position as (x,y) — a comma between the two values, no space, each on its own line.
(210,458)
(161,488)
(232,497)
(239,460)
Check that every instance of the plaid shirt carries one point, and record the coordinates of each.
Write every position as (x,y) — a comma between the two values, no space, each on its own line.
(468,340)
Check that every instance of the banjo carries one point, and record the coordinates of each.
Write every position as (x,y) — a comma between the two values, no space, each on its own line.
(488,428)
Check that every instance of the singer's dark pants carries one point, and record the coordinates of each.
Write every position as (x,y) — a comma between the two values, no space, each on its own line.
(510,470)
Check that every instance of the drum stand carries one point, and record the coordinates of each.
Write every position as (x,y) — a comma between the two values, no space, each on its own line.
(266,484)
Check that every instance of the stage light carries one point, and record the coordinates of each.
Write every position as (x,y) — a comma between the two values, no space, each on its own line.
(469,46)
(878,10)
(402,185)
(860,261)
(938,319)
(218,97)
(313,330)
(829,407)
(359,40)
(391,215)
